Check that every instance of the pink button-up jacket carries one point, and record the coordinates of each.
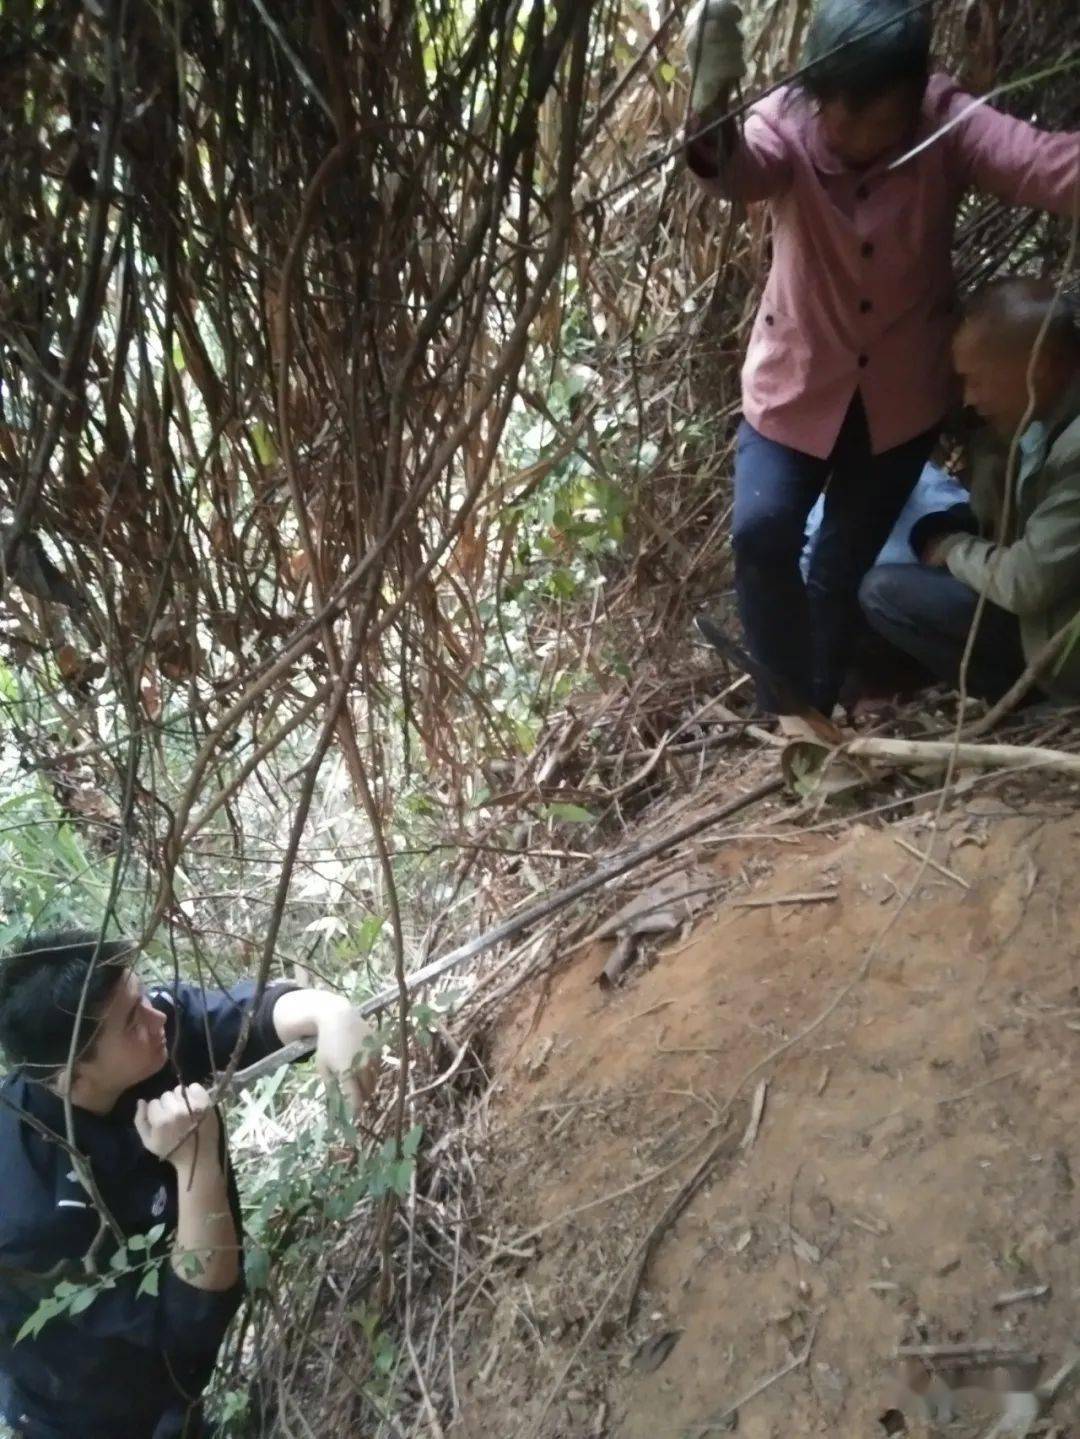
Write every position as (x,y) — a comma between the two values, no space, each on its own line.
(861,290)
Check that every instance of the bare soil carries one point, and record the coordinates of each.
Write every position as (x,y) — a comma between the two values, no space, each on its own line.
(914,1162)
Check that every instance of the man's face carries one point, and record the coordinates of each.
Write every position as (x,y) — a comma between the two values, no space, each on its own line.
(861,135)
(130,1044)
(994,375)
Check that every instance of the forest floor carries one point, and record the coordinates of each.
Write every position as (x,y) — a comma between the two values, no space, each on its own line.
(914,1160)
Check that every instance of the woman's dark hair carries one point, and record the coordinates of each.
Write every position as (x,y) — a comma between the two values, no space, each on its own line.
(42,985)
(857,50)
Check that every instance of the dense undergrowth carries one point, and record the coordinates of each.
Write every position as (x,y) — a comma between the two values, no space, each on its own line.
(367,376)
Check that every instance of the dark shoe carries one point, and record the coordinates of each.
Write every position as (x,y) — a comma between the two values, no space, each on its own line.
(774,695)
(698,629)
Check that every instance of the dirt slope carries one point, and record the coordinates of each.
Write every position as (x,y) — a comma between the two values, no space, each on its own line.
(915,1159)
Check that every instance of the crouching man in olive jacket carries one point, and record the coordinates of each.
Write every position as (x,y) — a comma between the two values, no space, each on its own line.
(1017,352)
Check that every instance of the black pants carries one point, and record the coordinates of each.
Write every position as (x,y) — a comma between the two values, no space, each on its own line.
(204,1431)
(927,613)
(805,633)
(191,1426)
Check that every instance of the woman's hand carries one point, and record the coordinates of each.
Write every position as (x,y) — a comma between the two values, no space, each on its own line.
(714,50)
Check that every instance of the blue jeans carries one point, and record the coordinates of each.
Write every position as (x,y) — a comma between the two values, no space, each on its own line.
(804,634)
(927,613)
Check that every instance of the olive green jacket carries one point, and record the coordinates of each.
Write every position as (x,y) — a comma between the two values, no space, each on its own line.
(1035,572)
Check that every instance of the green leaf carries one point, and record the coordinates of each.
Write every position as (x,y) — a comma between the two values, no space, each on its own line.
(257,1267)
(562,584)
(401,1177)
(83,1300)
(571,813)
(151,1283)
(154,1235)
(234,1404)
(411,1143)
(190,1266)
(119,1260)
(263,441)
(527,734)
(46,1310)
(368,933)
(31,1327)
(238,1405)
(805,772)
(385,1358)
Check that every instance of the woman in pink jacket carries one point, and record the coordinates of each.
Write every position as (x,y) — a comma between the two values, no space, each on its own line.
(847,377)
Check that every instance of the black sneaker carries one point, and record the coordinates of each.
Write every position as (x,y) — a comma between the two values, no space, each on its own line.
(713,635)
(775,696)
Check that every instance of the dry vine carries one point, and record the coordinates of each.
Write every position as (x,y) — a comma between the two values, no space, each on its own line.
(278,288)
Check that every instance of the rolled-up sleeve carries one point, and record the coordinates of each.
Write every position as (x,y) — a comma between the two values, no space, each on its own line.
(209,1024)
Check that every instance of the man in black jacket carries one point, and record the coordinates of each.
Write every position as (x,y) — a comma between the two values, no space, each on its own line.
(149,1159)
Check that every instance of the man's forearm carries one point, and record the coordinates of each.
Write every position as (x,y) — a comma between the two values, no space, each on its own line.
(205,1227)
(299,1013)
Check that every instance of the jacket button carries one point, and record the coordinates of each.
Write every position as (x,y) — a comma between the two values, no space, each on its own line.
(770,320)
(865,306)
(864,360)
(867,249)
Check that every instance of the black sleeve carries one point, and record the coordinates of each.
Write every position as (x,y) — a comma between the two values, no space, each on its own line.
(185,1324)
(208,1023)
(706,156)
(180,1320)
(957,520)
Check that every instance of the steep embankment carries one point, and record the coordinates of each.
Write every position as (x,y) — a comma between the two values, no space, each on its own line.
(913,1162)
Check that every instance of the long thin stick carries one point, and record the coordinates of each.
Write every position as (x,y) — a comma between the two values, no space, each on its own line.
(535,913)
(817,896)
(932,862)
(529,917)
(1034,671)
